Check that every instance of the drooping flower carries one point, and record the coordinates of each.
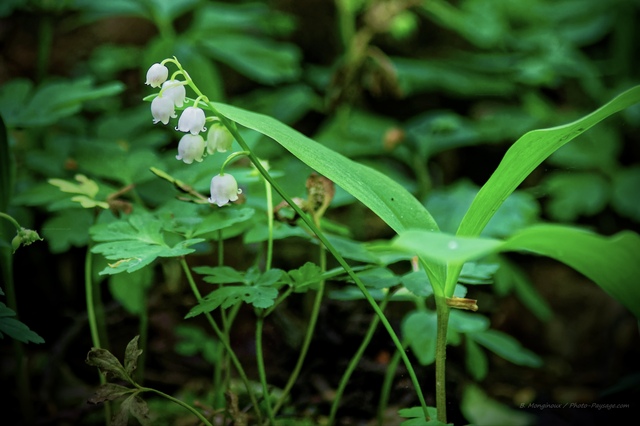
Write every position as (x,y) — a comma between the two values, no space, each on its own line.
(162,109)
(224,188)
(190,148)
(192,120)
(174,90)
(219,138)
(157,75)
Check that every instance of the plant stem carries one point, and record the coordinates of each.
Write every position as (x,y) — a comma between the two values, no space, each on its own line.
(91,316)
(269,224)
(442,311)
(355,360)
(392,367)
(261,371)
(225,342)
(180,403)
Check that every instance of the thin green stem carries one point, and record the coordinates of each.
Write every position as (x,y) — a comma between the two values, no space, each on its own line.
(183,404)
(355,360)
(12,220)
(392,367)
(225,341)
(91,316)
(442,311)
(45,35)
(269,192)
(309,222)
(261,371)
(143,332)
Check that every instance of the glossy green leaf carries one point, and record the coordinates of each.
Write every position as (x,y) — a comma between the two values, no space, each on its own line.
(131,289)
(611,262)
(419,331)
(475,360)
(526,154)
(220,274)
(389,200)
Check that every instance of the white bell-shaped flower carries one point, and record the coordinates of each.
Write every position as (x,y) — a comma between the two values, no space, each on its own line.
(157,75)
(192,120)
(174,90)
(224,188)
(162,109)
(219,139)
(190,148)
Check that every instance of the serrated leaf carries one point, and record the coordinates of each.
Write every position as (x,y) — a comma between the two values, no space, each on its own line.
(84,186)
(140,410)
(416,417)
(225,297)
(107,363)
(220,274)
(135,243)
(417,282)
(131,289)
(306,275)
(109,392)
(14,328)
(131,355)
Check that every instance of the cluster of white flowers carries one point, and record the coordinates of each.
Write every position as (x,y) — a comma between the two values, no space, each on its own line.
(192,145)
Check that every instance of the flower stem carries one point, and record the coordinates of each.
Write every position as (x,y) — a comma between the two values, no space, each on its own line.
(355,360)
(180,403)
(225,341)
(442,311)
(261,371)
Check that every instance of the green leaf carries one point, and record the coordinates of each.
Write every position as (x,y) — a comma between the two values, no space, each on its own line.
(263,60)
(576,193)
(511,276)
(67,228)
(130,290)
(417,282)
(135,243)
(389,200)
(140,410)
(306,275)
(480,409)
(107,363)
(466,322)
(210,221)
(23,106)
(131,355)
(526,154)
(610,262)
(419,331)
(194,340)
(507,347)
(416,417)
(109,392)
(6,168)
(626,192)
(475,360)
(220,274)
(15,328)
(225,297)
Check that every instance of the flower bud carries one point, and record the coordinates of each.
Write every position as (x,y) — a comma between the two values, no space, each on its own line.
(157,75)
(190,148)
(219,138)
(162,109)
(192,120)
(174,90)
(224,188)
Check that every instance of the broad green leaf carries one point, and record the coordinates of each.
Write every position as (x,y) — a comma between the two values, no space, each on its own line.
(207,221)
(389,200)
(131,289)
(475,359)
(507,347)
(576,193)
(417,282)
(526,154)
(479,409)
(510,276)
(419,331)
(308,274)
(611,262)
(626,192)
(416,417)
(15,328)
(49,102)
(466,322)
(67,228)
